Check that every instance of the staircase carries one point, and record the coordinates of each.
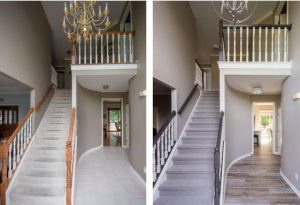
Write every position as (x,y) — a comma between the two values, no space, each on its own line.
(190,180)
(42,178)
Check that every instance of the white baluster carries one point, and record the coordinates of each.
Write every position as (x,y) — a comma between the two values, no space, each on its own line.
(158,166)
(259,45)
(9,161)
(266,45)
(27,129)
(30,125)
(285,44)
(228,44)
(113,48)
(169,137)
(91,58)
(18,146)
(241,44)
(96,49)
(101,39)
(278,52)
(166,143)
(124,43)
(253,52)
(107,54)
(154,170)
(172,133)
(272,46)
(21,141)
(25,136)
(84,51)
(234,44)
(130,48)
(162,161)
(79,50)
(15,156)
(247,44)
(119,53)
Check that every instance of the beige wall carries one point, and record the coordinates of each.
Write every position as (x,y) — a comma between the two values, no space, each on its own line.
(215,73)
(137,105)
(25,50)
(174,52)
(68,78)
(290,108)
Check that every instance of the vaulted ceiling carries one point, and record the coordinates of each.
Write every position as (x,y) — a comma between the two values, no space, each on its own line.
(60,43)
(207,23)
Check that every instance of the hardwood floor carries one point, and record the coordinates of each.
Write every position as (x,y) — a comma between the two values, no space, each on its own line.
(256,180)
(111,140)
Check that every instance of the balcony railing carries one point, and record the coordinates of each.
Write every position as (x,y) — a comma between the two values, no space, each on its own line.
(253,43)
(110,47)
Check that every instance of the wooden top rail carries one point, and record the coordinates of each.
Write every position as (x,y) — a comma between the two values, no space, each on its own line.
(162,129)
(187,99)
(72,124)
(14,134)
(44,97)
(289,27)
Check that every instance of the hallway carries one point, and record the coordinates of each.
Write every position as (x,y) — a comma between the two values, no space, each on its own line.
(105,177)
(257,180)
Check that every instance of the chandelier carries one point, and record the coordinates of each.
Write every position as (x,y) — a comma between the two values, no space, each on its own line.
(85,20)
(234,9)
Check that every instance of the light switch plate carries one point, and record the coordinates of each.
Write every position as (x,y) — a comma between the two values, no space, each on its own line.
(296,176)
(143,93)
(296,96)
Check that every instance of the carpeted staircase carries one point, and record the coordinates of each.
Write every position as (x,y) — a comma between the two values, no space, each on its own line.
(190,181)
(42,178)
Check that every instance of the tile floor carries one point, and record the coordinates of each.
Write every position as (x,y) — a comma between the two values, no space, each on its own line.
(104,177)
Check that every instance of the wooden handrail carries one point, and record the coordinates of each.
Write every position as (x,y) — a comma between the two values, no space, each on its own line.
(4,154)
(187,99)
(14,134)
(44,97)
(162,129)
(69,160)
(269,26)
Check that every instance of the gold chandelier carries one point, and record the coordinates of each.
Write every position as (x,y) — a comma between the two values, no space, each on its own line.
(84,20)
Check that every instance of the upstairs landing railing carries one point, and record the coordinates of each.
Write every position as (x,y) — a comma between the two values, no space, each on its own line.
(13,150)
(254,43)
(109,47)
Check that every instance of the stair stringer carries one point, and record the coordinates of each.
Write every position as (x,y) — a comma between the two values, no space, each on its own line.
(12,184)
(169,162)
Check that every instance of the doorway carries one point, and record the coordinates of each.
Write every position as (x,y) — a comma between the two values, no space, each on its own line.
(263,125)
(112,122)
(9,118)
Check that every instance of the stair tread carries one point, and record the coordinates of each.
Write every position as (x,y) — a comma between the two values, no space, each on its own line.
(201,129)
(39,190)
(191,157)
(190,169)
(186,200)
(186,184)
(196,146)
(43,173)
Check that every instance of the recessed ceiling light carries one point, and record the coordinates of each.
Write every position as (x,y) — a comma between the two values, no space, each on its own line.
(257,91)
(105,87)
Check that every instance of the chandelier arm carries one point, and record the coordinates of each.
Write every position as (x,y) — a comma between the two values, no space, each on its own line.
(96,20)
(100,22)
(241,21)
(220,15)
(69,21)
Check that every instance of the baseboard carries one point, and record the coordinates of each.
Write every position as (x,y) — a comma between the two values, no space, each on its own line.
(137,175)
(290,183)
(85,153)
(229,166)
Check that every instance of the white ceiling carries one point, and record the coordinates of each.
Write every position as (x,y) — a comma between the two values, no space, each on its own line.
(9,85)
(271,85)
(117,83)
(60,43)
(207,24)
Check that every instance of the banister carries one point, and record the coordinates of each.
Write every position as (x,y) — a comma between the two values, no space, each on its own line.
(187,99)
(44,97)
(162,129)
(115,32)
(72,124)
(289,27)
(14,134)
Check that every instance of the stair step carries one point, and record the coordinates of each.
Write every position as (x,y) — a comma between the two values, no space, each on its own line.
(180,200)
(64,91)
(54,195)
(63,94)
(58,98)
(50,141)
(191,171)
(49,133)
(57,119)
(59,115)
(199,140)
(193,159)
(203,125)
(61,105)
(196,148)
(55,126)
(52,151)
(187,187)
(32,176)
(45,163)
(60,110)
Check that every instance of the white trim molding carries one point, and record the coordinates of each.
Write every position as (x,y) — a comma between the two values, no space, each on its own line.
(264,17)
(137,175)
(290,183)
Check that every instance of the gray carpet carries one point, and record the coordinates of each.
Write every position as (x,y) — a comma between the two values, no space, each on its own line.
(190,180)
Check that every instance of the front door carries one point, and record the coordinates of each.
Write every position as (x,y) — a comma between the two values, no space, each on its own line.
(9,117)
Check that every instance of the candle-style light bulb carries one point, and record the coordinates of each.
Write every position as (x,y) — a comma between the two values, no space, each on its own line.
(65,5)
(106,5)
(64,21)
(99,9)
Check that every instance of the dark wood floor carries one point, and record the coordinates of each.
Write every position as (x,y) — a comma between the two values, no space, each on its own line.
(256,180)
(110,140)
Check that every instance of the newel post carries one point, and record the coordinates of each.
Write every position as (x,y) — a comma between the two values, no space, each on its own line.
(4,183)
(73,58)
(69,175)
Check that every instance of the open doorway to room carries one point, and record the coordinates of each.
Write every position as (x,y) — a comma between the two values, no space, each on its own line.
(263,126)
(112,122)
